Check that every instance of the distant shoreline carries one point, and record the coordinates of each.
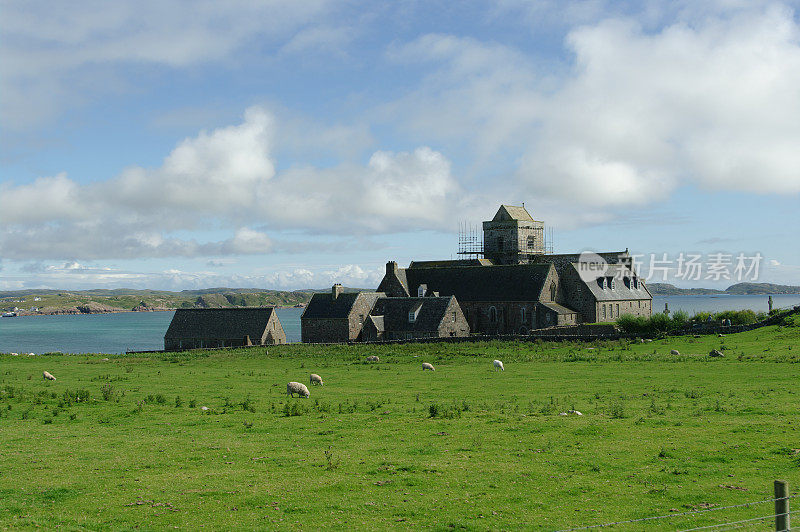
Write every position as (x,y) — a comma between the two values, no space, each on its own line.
(70,312)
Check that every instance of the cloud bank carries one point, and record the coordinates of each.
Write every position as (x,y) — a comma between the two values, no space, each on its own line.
(222,179)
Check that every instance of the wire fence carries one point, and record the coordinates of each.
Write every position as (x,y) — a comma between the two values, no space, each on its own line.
(728,525)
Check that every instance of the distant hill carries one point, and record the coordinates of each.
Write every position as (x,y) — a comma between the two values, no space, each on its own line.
(126,299)
(741,289)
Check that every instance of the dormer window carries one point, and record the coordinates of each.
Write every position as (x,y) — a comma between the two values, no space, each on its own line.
(414,312)
(611,284)
(421,290)
(601,282)
(635,283)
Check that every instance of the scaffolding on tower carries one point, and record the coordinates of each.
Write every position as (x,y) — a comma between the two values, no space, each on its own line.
(470,241)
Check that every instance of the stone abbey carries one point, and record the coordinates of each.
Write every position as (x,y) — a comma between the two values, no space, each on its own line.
(512,285)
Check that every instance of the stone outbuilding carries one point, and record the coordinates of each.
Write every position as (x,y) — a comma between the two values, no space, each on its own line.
(223,327)
(337,316)
(407,318)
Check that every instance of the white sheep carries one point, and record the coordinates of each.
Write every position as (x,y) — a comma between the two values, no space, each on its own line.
(316,379)
(426,365)
(31,354)
(674,352)
(14,354)
(297,388)
(498,365)
(48,376)
(373,358)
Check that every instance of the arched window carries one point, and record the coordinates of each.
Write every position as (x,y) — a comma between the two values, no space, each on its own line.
(492,315)
(522,315)
(499,243)
(552,291)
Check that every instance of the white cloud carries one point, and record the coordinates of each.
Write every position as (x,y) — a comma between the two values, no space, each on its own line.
(710,102)
(76,276)
(54,54)
(223,179)
(215,172)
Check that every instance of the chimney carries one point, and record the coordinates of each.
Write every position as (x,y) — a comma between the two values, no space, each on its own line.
(391,268)
(336,290)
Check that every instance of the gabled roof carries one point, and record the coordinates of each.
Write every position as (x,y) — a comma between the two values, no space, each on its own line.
(220,323)
(394,312)
(507,213)
(377,322)
(620,292)
(323,306)
(513,282)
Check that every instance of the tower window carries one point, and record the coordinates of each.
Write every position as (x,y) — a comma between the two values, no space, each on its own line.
(531,242)
(500,243)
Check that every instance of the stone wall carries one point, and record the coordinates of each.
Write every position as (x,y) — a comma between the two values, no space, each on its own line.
(615,309)
(578,295)
(324,330)
(275,333)
(454,322)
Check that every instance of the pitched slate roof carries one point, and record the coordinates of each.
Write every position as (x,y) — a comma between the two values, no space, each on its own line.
(513,282)
(512,212)
(220,323)
(323,306)
(394,311)
(559,309)
(620,291)
(446,263)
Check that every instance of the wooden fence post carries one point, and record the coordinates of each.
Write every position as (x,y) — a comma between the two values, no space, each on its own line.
(781,506)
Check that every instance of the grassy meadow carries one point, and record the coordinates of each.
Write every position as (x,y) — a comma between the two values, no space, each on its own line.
(122,442)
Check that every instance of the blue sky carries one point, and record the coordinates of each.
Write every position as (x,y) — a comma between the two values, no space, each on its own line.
(286,145)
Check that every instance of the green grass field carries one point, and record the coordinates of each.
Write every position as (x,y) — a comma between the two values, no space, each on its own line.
(123,443)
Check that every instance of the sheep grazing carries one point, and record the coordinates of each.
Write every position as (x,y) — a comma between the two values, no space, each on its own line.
(316,379)
(31,354)
(14,354)
(48,376)
(373,358)
(498,365)
(674,352)
(426,365)
(297,388)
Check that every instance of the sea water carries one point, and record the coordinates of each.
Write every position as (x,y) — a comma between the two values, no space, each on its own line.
(139,331)
(103,333)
